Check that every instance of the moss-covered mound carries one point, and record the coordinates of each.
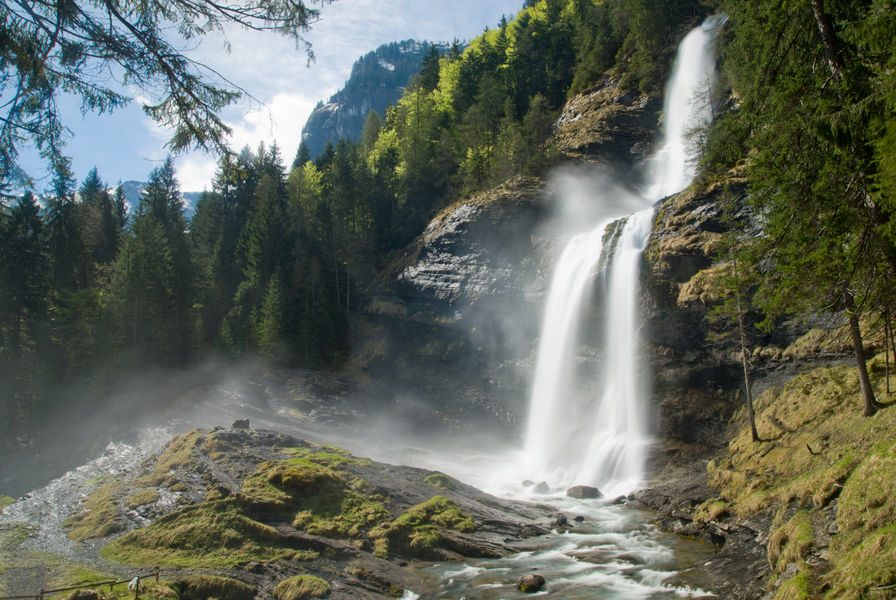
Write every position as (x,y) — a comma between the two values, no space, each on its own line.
(211,534)
(419,530)
(302,587)
(822,461)
(202,587)
(6,501)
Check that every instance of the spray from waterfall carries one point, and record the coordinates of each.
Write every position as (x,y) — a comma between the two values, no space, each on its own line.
(603,439)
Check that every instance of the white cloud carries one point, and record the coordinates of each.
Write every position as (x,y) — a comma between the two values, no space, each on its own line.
(195,172)
(281,120)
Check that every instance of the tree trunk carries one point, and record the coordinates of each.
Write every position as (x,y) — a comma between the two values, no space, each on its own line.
(868,399)
(828,38)
(745,363)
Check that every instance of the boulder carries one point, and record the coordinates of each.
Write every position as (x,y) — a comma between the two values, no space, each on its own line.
(542,488)
(583,492)
(240,424)
(580,519)
(530,583)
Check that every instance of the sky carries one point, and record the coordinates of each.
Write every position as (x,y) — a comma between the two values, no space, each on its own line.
(127,145)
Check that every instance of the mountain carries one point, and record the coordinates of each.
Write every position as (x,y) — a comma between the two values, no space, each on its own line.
(134,189)
(378,79)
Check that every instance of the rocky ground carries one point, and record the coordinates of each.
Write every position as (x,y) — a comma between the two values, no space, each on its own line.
(238,507)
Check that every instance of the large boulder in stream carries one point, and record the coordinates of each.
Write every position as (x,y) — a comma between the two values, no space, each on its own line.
(583,492)
(530,583)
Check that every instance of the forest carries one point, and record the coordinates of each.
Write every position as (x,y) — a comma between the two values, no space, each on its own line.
(281,250)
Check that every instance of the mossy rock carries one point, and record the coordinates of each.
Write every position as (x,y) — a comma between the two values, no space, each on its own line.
(331,457)
(204,587)
(302,587)
(322,501)
(441,481)
(419,530)
(282,484)
(211,534)
(100,516)
(6,501)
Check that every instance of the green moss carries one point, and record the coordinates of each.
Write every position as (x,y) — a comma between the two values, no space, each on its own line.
(797,587)
(302,587)
(100,516)
(331,457)
(441,481)
(6,501)
(201,587)
(790,542)
(282,484)
(211,534)
(419,530)
(142,498)
(321,500)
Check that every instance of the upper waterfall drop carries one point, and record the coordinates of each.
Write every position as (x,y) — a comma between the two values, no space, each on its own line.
(602,439)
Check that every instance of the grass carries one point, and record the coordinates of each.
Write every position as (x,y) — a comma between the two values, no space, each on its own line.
(302,587)
(6,501)
(419,530)
(100,516)
(820,448)
(177,454)
(211,534)
(142,498)
(790,542)
(201,587)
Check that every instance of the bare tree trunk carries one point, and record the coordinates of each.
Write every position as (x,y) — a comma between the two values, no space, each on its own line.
(868,399)
(887,347)
(744,360)
(828,38)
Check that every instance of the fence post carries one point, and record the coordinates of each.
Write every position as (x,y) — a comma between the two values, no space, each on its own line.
(137,590)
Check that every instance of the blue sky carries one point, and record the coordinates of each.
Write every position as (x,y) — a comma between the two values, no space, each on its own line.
(127,145)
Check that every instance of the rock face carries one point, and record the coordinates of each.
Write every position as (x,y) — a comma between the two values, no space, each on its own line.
(456,314)
(692,386)
(377,81)
(459,313)
(608,125)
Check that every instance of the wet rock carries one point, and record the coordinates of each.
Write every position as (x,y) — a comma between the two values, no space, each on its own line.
(542,488)
(527,483)
(579,519)
(583,492)
(530,583)
(620,500)
(240,424)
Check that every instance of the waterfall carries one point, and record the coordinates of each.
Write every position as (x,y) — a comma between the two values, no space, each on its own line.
(602,440)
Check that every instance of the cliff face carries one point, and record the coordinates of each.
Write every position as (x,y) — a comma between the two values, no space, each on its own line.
(376,82)
(458,315)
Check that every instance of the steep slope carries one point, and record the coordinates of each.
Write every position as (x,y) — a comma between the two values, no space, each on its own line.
(377,81)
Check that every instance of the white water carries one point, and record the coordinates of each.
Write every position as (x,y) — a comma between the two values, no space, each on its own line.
(572,439)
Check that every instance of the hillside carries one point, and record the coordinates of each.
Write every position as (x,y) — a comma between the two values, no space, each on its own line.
(377,81)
